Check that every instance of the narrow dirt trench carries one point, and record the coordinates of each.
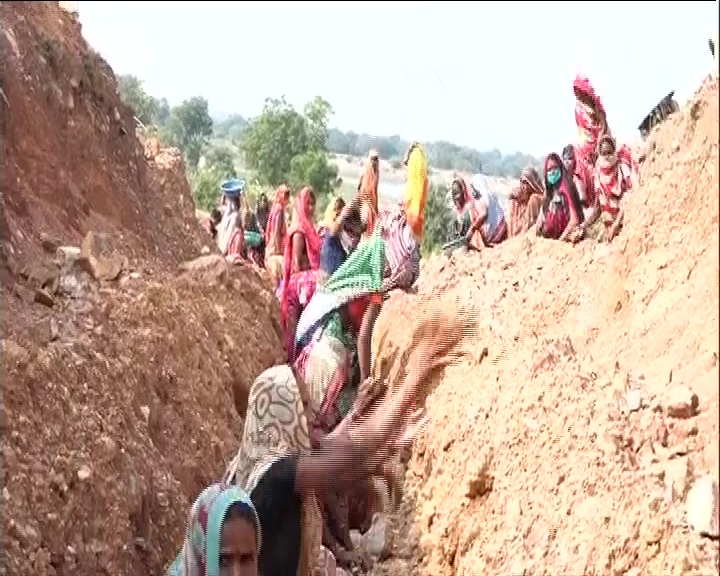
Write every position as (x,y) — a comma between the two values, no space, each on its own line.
(570,437)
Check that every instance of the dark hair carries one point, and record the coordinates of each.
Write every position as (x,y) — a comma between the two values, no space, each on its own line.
(215,216)
(244,512)
(568,151)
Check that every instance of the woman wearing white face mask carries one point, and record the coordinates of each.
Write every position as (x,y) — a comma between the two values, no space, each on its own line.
(231,190)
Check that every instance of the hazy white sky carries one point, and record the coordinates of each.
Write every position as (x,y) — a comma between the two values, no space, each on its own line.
(482,74)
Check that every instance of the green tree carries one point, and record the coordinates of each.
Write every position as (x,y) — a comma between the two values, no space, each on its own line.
(205,184)
(189,127)
(221,158)
(283,145)
(438,220)
(133,94)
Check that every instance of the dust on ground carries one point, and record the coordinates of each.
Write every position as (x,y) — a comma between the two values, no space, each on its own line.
(567,439)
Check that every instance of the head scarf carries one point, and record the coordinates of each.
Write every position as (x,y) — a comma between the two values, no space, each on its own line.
(330,212)
(276,427)
(589,129)
(530,179)
(281,198)
(467,195)
(302,223)
(416,188)
(200,554)
(369,192)
(607,169)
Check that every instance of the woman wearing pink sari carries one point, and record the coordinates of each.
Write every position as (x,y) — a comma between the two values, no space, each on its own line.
(300,265)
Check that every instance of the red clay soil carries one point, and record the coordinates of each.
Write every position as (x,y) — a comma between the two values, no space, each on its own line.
(535,462)
(121,398)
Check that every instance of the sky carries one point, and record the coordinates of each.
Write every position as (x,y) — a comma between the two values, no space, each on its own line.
(481,74)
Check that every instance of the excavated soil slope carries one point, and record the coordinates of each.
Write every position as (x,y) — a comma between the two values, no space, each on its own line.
(122,394)
(536,461)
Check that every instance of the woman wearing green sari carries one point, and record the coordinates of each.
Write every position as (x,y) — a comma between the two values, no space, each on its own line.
(338,323)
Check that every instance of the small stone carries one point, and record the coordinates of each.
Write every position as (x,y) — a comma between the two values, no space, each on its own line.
(205,250)
(634,400)
(681,402)
(49,244)
(378,539)
(703,507)
(145,411)
(42,296)
(676,478)
(84,472)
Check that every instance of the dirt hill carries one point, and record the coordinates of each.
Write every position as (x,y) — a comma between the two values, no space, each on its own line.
(123,377)
(568,438)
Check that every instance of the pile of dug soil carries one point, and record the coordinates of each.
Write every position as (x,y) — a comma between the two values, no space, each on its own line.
(123,377)
(586,405)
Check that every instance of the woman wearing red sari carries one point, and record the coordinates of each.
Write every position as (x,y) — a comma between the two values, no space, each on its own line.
(275,235)
(300,266)
(590,118)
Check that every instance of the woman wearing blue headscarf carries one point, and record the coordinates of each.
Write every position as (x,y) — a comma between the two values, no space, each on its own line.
(222,536)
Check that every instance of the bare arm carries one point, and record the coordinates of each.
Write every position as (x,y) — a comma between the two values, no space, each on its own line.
(365,339)
(299,253)
(580,185)
(336,226)
(477,222)
(615,227)
(278,232)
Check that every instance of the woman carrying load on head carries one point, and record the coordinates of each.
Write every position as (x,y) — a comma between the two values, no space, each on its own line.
(275,235)
(232,191)
(300,265)
(367,192)
(614,177)
(277,465)
(561,216)
(525,203)
(222,536)
(236,249)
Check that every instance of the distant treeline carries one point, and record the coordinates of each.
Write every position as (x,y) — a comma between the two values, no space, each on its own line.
(442,155)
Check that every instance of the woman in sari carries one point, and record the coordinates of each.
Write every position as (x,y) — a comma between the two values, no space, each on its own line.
(481,220)
(275,235)
(368,191)
(277,465)
(232,191)
(614,177)
(582,176)
(223,535)
(525,203)
(235,251)
(300,266)
(561,216)
(590,118)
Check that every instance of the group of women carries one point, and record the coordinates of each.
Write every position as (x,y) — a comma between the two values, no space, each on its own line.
(586,183)
(318,432)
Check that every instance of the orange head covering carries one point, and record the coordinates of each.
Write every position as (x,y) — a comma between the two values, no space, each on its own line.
(302,222)
(416,188)
(281,198)
(369,190)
